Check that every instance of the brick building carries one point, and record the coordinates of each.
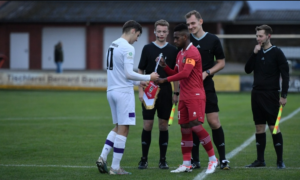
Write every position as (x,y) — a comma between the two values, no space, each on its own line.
(30,29)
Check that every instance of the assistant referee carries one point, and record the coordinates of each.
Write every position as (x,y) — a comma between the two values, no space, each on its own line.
(267,63)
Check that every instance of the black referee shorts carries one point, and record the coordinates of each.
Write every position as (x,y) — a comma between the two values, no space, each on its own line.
(211,96)
(163,104)
(265,106)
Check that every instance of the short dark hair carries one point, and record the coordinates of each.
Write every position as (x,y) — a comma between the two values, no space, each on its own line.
(181,28)
(268,29)
(131,24)
(193,12)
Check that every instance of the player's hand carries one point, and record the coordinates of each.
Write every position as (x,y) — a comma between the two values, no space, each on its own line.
(154,76)
(160,81)
(282,101)
(141,94)
(175,99)
(162,62)
(257,48)
(204,75)
(144,84)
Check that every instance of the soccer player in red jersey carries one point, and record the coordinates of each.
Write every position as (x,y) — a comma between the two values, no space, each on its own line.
(191,108)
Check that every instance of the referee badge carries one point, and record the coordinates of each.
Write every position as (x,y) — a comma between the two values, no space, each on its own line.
(183,60)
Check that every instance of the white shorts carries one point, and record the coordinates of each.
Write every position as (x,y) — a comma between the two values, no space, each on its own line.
(122,105)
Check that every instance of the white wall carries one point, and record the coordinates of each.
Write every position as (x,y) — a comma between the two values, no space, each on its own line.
(74,47)
(112,33)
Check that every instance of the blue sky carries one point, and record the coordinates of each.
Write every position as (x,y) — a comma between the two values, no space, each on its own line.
(255,5)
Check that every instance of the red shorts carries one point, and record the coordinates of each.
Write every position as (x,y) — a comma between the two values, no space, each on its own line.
(191,109)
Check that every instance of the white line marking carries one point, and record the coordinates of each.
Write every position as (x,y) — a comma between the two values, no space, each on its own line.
(234,152)
(127,167)
(51,118)
(58,118)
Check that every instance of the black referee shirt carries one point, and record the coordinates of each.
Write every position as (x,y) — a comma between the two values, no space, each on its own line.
(151,51)
(209,46)
(267,66)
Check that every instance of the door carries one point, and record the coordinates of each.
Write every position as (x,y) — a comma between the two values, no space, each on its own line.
(19,51)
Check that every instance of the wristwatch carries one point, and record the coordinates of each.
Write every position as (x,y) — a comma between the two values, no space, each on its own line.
(208,72)
(176,93)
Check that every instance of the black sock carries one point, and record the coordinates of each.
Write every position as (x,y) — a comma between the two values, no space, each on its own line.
(278,145)
(163,143)
(219,140)
(146,141)
(260,146)
(195,150)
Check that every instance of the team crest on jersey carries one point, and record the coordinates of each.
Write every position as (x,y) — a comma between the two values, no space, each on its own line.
(183,60)
(129,55)
(150,89)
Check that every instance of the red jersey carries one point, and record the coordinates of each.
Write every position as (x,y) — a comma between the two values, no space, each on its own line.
(188,71)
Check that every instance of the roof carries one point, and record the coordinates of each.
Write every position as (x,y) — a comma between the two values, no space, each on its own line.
(116,11)
(270,17)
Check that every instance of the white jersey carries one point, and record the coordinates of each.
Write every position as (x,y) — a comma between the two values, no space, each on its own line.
(119,55)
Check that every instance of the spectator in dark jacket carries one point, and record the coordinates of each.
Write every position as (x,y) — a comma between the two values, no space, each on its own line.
(58,57)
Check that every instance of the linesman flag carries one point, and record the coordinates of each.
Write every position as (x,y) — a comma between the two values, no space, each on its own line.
(172,115)
(277,121)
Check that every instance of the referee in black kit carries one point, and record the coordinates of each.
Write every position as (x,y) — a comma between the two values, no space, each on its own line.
(165,98)
(210,48)
(268,63)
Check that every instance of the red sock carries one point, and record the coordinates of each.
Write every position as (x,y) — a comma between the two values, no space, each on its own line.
(204,139)
(186,143)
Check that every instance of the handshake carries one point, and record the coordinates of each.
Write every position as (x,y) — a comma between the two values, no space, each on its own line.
(155,78)
(161,61)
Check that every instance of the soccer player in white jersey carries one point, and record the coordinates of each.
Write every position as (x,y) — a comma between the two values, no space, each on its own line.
(120,94)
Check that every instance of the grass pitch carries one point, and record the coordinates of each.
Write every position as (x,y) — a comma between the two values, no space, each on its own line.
(60,134)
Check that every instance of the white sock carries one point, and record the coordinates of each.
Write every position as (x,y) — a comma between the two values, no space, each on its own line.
(212,158)
(119,147)
(109,144)
(187,163)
